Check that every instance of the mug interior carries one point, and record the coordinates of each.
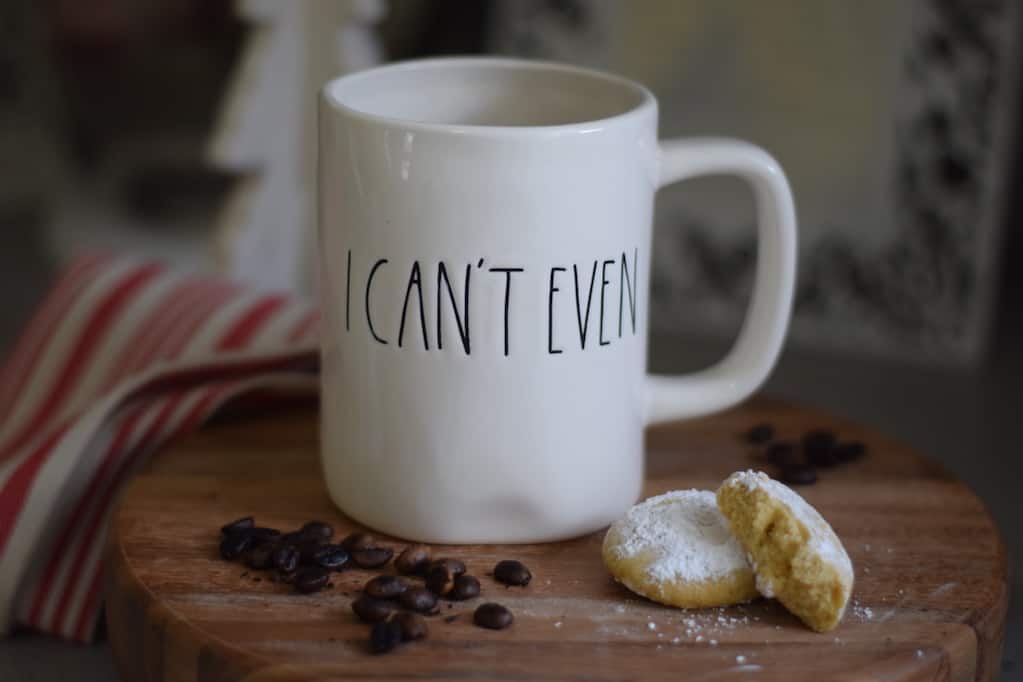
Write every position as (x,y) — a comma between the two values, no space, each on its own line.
(487,92)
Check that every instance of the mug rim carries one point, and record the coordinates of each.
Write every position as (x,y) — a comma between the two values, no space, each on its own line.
(330,95)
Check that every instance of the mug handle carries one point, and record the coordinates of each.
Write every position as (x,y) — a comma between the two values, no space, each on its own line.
(750,360)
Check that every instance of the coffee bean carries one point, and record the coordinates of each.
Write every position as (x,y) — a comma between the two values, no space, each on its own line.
(511,572)
(414,560)
(384,637)
(466,587)
(780,452)
(356,541)
(370,610)
(418,599)
(385,587)
(413,626)
(307,552)
(798,474)
(847,452)
(440,580)
(331,557)
(317,530)
(285,558)
(243,523)
(261,535)
(372,557)
(760,434)
(260,557)
(818,447)
(492,616)
(310,579)
(293,538)
(454,566)
(234,544)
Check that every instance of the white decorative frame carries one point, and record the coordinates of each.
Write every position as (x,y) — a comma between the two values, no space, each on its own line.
(927,292)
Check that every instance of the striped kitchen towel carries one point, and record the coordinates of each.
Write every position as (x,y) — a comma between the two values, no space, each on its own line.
(121,357)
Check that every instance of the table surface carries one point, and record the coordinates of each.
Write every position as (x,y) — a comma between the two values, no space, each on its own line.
(929,601)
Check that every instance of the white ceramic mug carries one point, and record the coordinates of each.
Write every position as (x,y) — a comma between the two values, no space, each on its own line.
(485,237)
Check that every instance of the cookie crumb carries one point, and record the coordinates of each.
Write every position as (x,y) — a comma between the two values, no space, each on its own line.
(651,625)
(740,659)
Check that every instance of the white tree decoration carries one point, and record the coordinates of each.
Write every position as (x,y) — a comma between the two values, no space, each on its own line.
(267,130)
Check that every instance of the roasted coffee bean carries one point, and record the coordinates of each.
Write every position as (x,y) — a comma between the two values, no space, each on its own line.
(370,610)
(760,434)
(440,580)
(511,572)
(307,552)
(310,579)
(243,523)
(285,558)
(455,566)
(780,452)
(414,560)
(418,599)
(262,535)
(234,544)
(413,626)
(317,530)
(847,452)
(293,538)
(331,557)
(372,557)
(385,587)
(798,474)
(259,557)
(818,447)
(384,637)
(492,616)
(356,541)
(466,587)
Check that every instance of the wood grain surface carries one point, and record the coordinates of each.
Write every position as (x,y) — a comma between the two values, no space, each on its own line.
(929,602)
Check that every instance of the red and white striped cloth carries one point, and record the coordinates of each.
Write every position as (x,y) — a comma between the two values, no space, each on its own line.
(121,357)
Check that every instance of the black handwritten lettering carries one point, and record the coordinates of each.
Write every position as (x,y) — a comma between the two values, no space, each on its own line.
(459,301)
(463,331)
(507,298)
(623,281)
(550,314)
(604,281)
(584,323)
(415,278)
(369,286)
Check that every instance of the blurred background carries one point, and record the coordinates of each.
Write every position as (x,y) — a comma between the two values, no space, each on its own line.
(185,129)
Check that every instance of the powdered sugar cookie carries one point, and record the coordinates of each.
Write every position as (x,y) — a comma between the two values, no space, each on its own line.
(796,555)
(677,549)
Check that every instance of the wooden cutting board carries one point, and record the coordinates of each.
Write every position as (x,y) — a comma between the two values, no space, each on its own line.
(929,602)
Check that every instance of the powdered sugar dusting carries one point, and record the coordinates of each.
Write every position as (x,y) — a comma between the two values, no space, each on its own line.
(685,534)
